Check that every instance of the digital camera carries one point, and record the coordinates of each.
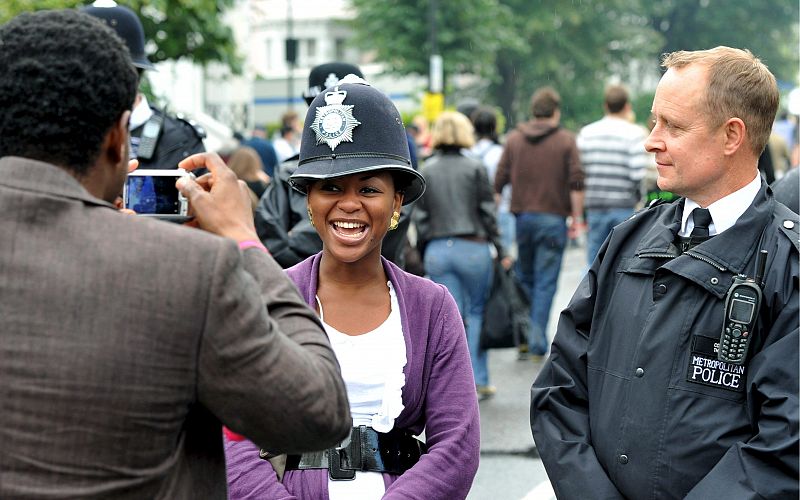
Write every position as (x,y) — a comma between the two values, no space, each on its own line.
(152,193)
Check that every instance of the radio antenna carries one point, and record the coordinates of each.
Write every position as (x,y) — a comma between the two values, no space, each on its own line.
(761,264)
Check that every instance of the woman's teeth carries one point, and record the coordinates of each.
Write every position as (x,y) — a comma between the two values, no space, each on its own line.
(349,229)
(348,225)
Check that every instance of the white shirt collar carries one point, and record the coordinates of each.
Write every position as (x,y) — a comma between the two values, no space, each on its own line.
(725,211)
(140,114)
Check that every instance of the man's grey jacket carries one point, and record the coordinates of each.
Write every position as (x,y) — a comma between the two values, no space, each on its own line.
(126,343)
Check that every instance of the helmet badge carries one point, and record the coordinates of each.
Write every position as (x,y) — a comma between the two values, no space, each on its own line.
(331,80)
(334,123)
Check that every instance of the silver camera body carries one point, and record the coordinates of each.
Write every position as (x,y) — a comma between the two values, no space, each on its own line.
(152,193)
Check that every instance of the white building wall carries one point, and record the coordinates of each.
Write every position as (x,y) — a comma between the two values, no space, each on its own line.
(223,102)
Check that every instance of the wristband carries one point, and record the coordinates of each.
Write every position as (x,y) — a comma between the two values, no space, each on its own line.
(232,436)
(244,245)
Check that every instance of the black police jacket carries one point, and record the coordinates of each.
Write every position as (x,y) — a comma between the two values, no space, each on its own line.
(633,403)
(178,139)
(282,224)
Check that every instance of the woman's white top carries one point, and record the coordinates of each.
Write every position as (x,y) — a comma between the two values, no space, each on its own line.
(372,368)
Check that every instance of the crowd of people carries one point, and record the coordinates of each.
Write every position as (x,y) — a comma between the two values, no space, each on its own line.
(314,330)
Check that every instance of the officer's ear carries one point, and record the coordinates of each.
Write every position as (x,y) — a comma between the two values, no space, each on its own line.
(735,135)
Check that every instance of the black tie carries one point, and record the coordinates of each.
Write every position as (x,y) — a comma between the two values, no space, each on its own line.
(702,219)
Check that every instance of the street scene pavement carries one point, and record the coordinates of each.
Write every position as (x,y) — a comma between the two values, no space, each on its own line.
(510,468)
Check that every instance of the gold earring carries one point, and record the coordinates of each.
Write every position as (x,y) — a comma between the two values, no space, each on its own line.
(394,221)
(310,216)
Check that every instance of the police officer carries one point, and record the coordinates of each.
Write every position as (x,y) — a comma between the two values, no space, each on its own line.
(158,140)
(281,219)
(668,377)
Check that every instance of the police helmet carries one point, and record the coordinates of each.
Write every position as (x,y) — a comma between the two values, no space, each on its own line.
(351,128)
(126,24)
(327,75)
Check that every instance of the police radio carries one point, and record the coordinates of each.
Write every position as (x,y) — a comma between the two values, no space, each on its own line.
(149,138)
(742,304)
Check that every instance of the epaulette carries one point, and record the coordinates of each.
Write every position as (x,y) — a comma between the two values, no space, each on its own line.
(789,224)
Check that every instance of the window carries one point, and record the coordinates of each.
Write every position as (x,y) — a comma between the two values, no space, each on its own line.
(339,47)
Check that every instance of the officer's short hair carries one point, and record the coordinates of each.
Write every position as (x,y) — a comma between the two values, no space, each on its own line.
(66,80)
(739,85)
(545,102)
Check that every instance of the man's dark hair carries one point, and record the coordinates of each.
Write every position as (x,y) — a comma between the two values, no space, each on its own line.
(616,98)
(66,80)
(484,119)
(545,102)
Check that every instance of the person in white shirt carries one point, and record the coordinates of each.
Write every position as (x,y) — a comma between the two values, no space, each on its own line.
(614,161)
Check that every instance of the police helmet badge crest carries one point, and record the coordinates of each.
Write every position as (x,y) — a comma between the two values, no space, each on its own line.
(331,80)
(334,122)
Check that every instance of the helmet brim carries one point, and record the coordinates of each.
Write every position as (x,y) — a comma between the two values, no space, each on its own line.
(143,63)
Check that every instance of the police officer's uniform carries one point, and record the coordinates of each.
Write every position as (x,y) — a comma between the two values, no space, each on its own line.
(281,219)
(175,138)
(635,403)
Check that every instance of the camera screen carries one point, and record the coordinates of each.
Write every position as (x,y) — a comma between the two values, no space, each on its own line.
(153,195)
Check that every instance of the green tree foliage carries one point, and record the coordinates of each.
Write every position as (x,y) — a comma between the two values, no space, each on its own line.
(577,47)
(768,29)
(573,47)
(399,32)
(174,29)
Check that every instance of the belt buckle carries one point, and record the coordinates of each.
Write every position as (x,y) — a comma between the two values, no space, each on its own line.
(345,459)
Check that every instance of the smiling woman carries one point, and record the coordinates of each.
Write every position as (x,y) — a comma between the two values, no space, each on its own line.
(399,339)
(353,213)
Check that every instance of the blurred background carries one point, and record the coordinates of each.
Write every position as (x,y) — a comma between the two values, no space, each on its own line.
(234,65)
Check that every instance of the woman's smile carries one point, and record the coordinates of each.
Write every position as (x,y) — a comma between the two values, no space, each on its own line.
(349,230)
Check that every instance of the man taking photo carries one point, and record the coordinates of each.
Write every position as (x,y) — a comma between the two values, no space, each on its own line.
(127,342)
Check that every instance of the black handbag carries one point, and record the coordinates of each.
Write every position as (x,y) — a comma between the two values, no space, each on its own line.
(506,317)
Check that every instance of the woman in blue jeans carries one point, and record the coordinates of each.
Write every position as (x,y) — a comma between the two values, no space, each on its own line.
(457,227)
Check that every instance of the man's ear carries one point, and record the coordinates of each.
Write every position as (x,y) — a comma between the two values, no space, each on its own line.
(735,135)
(117,141)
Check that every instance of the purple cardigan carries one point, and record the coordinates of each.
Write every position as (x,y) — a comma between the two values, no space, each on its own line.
(439,397)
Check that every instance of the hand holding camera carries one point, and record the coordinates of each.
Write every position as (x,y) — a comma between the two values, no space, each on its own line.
(153,193)
(218,200)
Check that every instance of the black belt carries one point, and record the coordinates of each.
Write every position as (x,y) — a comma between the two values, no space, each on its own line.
(365,450)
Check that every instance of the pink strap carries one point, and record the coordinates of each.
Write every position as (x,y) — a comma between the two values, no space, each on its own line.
(244,245)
